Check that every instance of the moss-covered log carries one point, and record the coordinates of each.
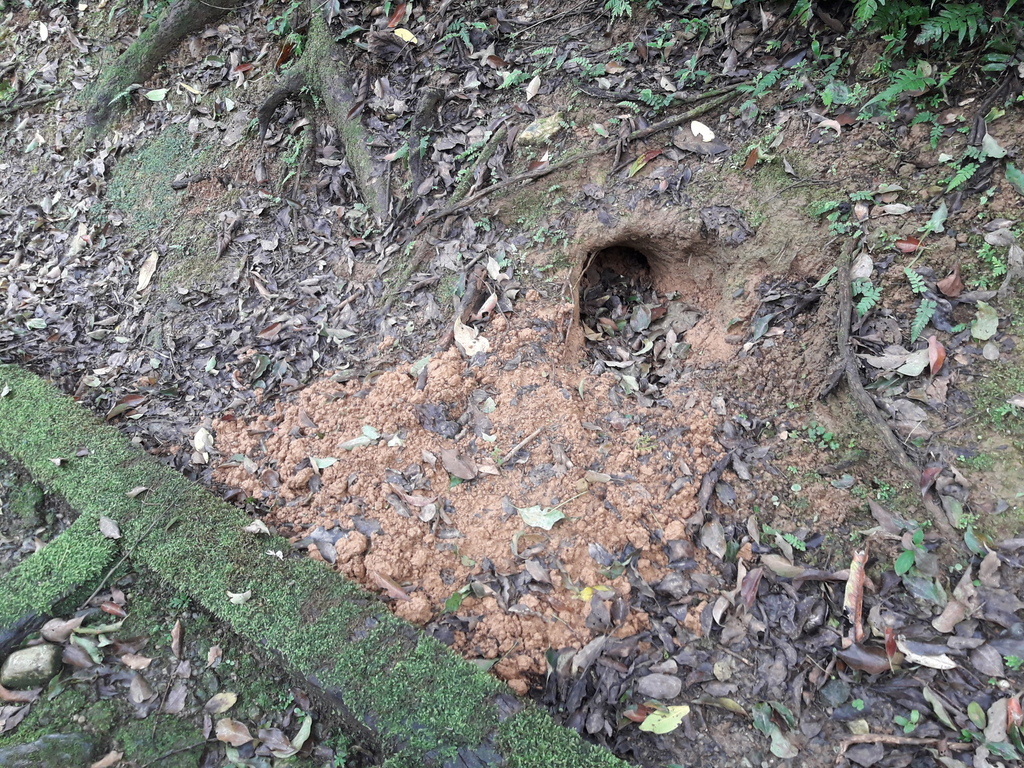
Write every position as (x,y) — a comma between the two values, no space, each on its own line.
(414,702)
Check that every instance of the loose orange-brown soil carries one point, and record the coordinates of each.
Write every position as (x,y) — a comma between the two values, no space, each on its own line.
(432,560)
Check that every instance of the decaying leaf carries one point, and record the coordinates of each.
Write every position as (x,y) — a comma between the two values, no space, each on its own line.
(239,598)
(985,323)
(59,630)
(936,355)
(951,285)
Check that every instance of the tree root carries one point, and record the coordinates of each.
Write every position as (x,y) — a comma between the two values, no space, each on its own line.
(179,20)
(290,87)
(862,400)
(18,105)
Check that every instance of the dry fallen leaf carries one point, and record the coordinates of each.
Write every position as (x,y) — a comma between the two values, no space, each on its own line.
(109,528)
(232,732)
(109,760)
(936,354)
(146,271)
(59,630)
(388,584)
(135,661)
(951,285)
(468,340)
(176,632)
(221,702)
(701,131)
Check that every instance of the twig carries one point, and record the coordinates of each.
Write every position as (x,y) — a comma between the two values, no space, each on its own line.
(887,738)
(520,445)
(177,751)
(10,109)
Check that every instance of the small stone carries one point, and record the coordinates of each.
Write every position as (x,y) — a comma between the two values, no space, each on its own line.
(541,131)
(667,667)
(835,692)
(660,687)
(734,338)
(31,667)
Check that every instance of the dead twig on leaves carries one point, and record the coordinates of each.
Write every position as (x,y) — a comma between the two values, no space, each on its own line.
(724,95)
(862,400)
(519,446)
(17,106)
(886,738)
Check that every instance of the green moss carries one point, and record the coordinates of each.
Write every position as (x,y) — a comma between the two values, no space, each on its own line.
(534,739)
(25,502)
(144,741)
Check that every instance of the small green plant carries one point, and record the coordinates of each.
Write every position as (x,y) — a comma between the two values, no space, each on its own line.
(867,294)
(822,437)
(793,541)
(857,704)
(908,557)
(908,724)
(1016,663)
(645,444)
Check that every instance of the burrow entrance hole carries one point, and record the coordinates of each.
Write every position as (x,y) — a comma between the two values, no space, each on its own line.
(634,308)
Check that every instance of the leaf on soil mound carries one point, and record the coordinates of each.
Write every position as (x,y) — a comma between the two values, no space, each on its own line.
(157,94)
(468,340)
(232,732)
(665,720)
(462,468)
(221,702)
(388,584)
(986,323)
(109,528)
(951,285)
(540,517)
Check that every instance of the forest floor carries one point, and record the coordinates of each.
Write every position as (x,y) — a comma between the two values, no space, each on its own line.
(594,431)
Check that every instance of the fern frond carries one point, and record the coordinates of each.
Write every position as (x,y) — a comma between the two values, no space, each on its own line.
(924,315)
(954,20)
(864,11)
(802,12)
(962,176)
(902,81)
(917,284)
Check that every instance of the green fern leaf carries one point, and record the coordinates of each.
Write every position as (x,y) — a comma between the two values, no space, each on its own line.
(802,12)
(924,315)
(962,176)
(917,284)
(864,11)
(902,81)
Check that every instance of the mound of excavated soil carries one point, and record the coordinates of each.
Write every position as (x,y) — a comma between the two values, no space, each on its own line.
(391,515)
